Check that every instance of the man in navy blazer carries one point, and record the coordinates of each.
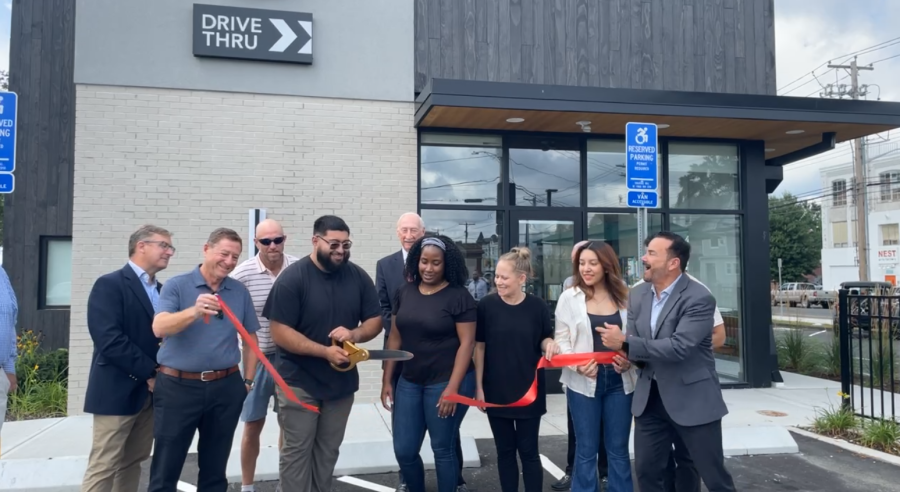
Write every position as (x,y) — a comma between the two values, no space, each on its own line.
(120,314)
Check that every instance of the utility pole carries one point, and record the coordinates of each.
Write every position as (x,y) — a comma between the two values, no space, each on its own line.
(858,170)
(467,224)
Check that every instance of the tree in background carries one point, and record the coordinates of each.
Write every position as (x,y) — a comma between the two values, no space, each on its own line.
(795,236)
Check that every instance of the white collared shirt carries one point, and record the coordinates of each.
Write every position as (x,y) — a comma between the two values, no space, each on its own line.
(574,335)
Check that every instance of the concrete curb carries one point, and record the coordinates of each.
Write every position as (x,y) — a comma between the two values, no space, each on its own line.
(356,458)
(855,448)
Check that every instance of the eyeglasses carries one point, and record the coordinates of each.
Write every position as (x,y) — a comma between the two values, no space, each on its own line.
(267,241)
(162,244)
(334,244)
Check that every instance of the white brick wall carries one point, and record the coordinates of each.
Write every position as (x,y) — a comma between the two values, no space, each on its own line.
(193,161)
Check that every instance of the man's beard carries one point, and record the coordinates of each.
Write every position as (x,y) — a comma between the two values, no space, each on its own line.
(328,264)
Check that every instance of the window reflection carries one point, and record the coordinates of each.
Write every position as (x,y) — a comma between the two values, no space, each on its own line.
(620,231)
(716,262)
(477,234)
(544,172)
(459,169)
(606,185)
(703,176)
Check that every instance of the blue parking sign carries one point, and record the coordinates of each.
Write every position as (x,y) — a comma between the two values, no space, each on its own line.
(641,150)
(8,104)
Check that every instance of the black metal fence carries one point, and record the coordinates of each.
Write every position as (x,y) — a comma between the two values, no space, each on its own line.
(869,327)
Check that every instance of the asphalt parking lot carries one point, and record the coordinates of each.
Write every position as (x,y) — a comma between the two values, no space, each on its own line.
(819,467)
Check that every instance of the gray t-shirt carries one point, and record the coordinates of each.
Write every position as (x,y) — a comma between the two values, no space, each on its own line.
(200,346)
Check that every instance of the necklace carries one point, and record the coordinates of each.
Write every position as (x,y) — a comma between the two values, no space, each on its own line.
(432,291)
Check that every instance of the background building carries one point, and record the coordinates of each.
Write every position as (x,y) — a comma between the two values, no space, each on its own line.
(501,121)
(882,192)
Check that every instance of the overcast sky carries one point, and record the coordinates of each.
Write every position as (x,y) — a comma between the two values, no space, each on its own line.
(808,33)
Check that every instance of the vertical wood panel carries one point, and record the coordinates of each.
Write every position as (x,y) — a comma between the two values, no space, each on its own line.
(656,25)
(481,21)
(558,42)
(671,21)
(700,45)
(769,49)
(505,51)
(637,46)
(539,42)
(593,48)
(687,61)
(729,50)
(582,65)
(493,34)
(527,23)
(759,46)
(749,49)
(447,38)
(718,58)
(615,43)
(515,40)
(41,60)
(421,42)
(571,35)
(470,55)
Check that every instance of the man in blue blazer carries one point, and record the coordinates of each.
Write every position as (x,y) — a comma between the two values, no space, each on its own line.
(120,314)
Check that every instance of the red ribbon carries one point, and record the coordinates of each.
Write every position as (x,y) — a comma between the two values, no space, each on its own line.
(560,360)
(262,358)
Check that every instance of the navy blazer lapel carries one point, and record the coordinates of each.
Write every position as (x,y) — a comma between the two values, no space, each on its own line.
(397,267)
(671,301)
(138,288)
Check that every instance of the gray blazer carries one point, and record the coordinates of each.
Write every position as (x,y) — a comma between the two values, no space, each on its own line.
(680,356)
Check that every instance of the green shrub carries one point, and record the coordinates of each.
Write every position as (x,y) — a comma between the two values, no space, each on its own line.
(883,435)
(835,422)
(42,379)
(796,352)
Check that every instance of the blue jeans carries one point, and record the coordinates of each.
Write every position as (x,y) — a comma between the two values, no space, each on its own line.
(415,410)
(611,408)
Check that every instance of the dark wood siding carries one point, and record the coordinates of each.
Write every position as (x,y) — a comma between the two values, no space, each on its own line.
(683,45)
(41,62)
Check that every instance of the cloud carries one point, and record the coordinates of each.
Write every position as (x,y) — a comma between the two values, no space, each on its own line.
(807,38)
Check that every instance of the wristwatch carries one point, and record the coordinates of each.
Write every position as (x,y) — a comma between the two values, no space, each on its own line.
(249,382)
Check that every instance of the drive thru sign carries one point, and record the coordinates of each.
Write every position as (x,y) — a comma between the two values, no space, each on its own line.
(253,34)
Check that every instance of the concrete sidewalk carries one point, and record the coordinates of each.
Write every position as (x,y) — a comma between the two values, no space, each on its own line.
(51,454)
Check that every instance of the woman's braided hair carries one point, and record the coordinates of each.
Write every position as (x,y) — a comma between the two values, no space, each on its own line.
(455,271)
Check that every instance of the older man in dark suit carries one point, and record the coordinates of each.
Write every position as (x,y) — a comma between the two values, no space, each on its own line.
(123,368)
(670,322)
(389,277)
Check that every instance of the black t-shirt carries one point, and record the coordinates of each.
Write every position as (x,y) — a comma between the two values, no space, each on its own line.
(512,336)
(427,328)
(600,320)
(314,303)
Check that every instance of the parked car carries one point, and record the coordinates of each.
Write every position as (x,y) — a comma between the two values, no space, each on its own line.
(803,294)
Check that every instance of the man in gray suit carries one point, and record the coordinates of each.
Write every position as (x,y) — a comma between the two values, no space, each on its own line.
(670,320)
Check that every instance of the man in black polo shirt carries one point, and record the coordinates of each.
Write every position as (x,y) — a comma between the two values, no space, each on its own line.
(319,298)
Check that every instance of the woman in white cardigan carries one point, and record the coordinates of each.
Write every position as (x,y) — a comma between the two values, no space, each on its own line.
(596,394)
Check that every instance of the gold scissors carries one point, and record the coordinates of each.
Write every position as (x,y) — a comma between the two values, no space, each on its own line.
(357,354)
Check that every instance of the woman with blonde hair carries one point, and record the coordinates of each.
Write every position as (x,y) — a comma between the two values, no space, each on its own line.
(596,394)
(513,331)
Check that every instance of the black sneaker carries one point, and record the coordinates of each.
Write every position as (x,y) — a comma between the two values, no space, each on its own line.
(564,483)
(402,488)
(603,484)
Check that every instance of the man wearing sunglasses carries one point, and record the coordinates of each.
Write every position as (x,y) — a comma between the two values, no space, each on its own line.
(258,274)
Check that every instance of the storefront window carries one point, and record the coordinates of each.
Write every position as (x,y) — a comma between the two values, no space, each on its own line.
(716,262)
(545,172)
(703,176)
(460,169)
(620,231)
(606,186)
(476,233)
(57,270)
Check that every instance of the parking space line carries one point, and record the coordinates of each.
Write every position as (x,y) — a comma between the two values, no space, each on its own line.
(551,467)
(364,484)
(185,487)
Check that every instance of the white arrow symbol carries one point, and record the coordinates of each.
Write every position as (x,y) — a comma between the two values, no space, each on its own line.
(306,49)
(287,35)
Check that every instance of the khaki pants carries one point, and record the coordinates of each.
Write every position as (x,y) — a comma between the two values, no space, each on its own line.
(120,444)
(312,442)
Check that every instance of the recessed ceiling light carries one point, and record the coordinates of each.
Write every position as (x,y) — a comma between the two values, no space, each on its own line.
(515,120)
(663,125)
(770,150)
(794,132)
(582,123)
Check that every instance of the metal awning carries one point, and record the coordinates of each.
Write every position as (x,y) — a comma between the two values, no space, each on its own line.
(792,128)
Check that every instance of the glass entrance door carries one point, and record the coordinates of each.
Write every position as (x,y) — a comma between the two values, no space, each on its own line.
(550,235)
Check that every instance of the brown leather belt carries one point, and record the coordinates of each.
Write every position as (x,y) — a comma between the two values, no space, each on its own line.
(204,376)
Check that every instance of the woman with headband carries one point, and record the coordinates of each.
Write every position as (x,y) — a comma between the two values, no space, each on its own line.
(433,318)
(596,394)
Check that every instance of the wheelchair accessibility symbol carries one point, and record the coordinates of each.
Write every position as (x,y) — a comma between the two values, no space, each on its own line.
(641,137)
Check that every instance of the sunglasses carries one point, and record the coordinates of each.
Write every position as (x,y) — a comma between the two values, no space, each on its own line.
(267,241)
(333,244)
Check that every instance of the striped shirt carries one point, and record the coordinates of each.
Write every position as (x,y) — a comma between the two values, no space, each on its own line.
(259,280)
(9,311)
